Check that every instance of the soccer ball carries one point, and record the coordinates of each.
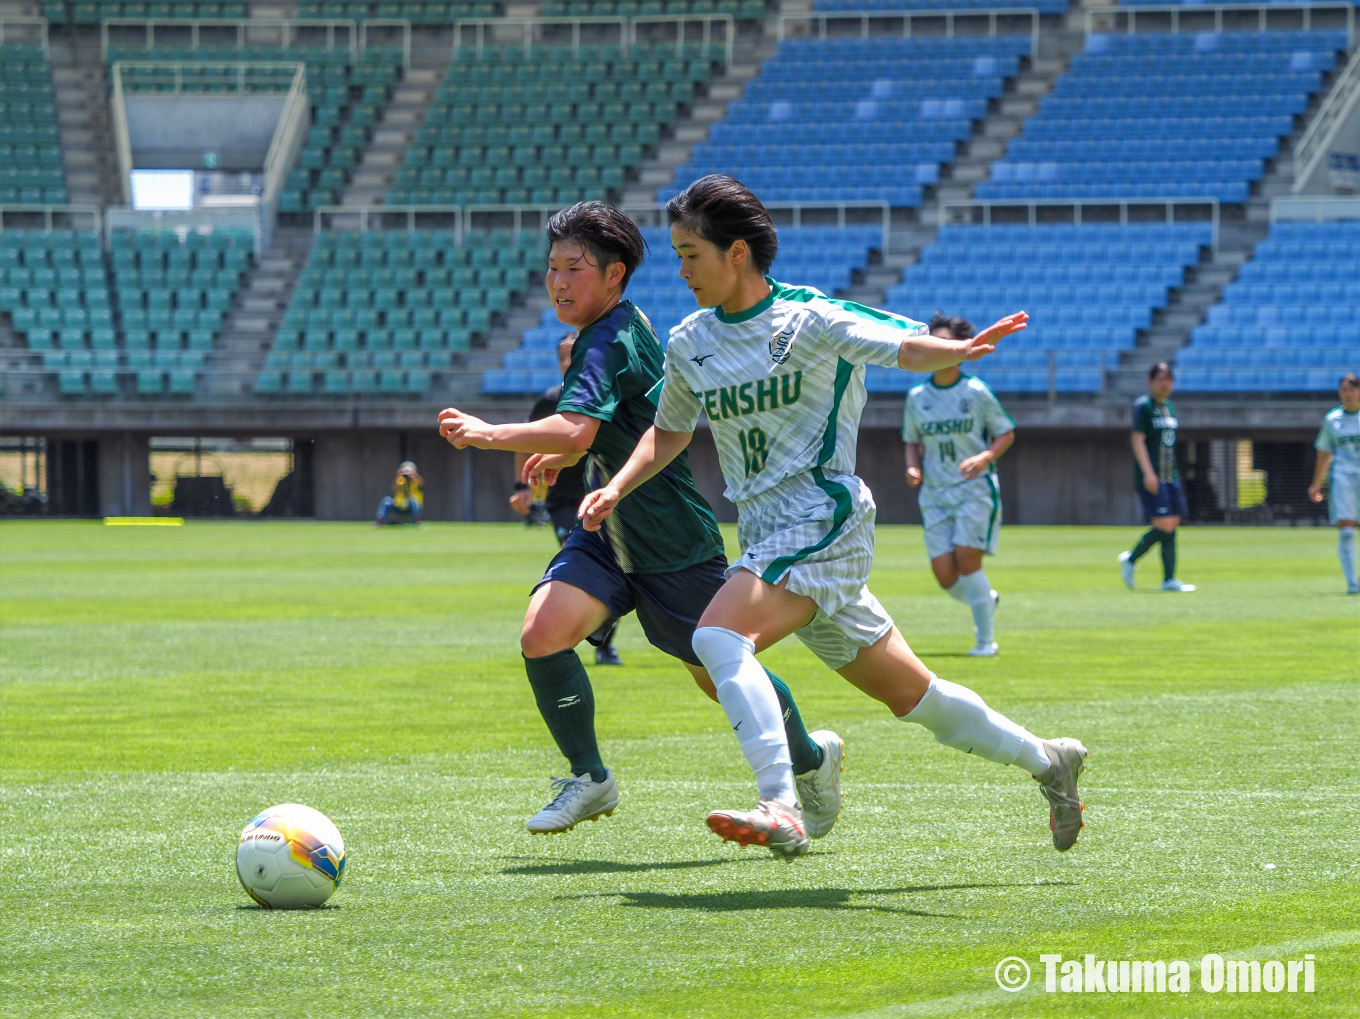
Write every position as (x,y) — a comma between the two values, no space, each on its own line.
(290,857)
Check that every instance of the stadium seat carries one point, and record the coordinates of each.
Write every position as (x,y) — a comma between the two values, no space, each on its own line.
(1290,322)
(1165,115)
(882,133)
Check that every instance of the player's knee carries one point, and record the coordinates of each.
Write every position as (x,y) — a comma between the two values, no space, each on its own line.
(538,640)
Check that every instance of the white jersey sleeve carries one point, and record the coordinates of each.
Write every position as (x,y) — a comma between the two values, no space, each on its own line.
(995,420)
(679,407)
(863,335)
(911,423)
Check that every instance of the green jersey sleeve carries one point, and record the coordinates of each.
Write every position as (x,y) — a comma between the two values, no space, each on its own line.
(604,371)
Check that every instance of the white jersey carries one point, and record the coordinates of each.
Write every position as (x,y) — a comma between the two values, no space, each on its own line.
(952,423)
(782,384)
(1340,436)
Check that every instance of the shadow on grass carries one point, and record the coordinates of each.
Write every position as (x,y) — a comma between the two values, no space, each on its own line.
(252,907)
(794,898)
(610,866)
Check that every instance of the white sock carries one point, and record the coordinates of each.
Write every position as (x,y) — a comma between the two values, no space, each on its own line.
(745,693)
(980,600)
(959,718)
(1345,550)
(958,592)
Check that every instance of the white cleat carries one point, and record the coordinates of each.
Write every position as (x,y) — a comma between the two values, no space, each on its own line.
(819,791)
(981,650)
(776,827)
(575,800)
(1175,585)
(1126,565)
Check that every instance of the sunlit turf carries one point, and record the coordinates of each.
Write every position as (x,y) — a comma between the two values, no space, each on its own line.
(159,686)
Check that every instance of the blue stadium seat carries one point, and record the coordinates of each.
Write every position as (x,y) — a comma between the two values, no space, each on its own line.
(1289,322)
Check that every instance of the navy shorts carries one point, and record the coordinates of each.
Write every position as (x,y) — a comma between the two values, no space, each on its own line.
(1168,502)
(668,605)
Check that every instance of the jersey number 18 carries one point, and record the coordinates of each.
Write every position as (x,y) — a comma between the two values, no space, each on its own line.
(753,450)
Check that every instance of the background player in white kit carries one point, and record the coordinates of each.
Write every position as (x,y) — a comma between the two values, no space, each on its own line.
(955,429)
(1338,460)
(779,373)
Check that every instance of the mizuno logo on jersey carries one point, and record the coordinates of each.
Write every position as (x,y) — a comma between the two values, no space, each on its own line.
(752,397)
(699,359)
(959,426)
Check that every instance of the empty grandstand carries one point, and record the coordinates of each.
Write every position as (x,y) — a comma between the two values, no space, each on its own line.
(1110,170)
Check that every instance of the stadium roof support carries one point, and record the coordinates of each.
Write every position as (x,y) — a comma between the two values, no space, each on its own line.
(1339,112)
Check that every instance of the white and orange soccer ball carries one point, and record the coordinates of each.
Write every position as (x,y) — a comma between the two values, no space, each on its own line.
(290,857)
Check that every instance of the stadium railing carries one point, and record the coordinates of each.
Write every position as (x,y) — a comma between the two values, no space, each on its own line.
(1336,112)
(1314,210)
(1168,17)
(50,214)
(285,33)
(376,217)
(464,217)
(627,28)
(993,17)
(980,212)
(27,28)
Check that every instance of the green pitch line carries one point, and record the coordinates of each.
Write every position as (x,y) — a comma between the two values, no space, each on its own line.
(160,686)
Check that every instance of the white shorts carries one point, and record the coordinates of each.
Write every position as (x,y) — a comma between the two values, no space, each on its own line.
(967,515)
(817,529)
(1343,496)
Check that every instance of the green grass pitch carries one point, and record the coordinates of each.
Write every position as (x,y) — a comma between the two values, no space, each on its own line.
(159,686)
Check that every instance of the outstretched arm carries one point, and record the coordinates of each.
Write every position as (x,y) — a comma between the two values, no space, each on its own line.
(926,353)
(568,432)
(654,451)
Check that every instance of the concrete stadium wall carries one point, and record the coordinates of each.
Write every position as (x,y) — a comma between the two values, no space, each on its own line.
(173,132)
(1046,478)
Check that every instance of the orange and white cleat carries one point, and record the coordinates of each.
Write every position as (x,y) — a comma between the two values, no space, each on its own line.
(778,828)
(1067,760)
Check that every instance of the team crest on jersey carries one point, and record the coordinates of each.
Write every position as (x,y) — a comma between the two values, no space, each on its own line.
(781,345)
(965,406)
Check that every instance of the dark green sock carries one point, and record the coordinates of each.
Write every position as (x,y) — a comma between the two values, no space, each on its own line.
(1145,543)
(567,704)
(805,754)
(1169,555)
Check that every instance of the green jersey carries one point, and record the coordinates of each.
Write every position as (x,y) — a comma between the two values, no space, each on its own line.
(1157,422)
(615,376)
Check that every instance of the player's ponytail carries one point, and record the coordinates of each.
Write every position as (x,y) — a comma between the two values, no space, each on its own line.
(722,210)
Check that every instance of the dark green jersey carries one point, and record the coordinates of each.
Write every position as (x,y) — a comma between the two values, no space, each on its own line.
(1157,422)
(615,376)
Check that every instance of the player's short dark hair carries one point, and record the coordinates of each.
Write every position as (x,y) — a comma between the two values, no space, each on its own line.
(1349,379)
(722,210)
(1158,368)
(959,328)
(607,235)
